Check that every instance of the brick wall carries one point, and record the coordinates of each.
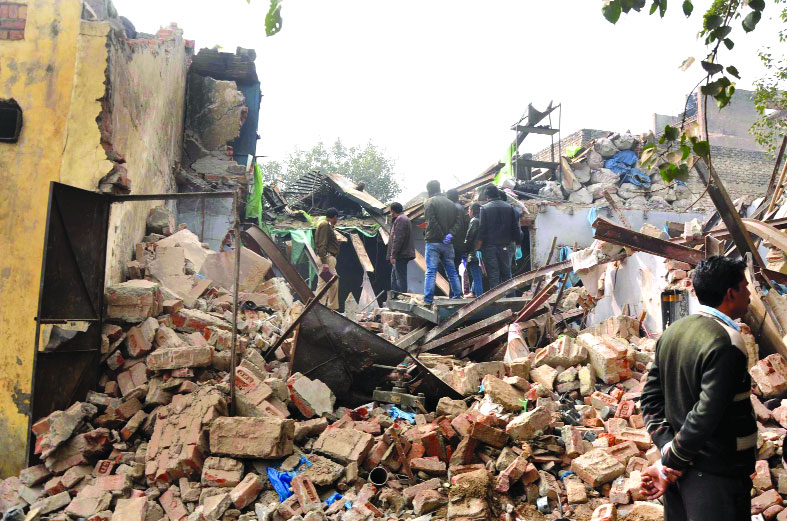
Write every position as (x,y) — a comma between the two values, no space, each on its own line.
(578,138)
(13,17)
(744,172)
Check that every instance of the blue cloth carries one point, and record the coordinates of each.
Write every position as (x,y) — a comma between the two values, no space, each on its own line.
(622,164)
(396,412)
(448,238)
(478,278)
(572,279)
(332,498)
(592,216)
(281,482)
(718,314)
(444,254)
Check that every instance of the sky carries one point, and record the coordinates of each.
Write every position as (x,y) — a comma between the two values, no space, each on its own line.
(438,84)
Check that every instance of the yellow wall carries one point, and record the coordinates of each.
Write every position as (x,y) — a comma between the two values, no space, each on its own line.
(38,72)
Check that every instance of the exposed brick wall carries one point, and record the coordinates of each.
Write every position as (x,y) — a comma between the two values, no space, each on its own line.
(578,138)
(744,172)
(13,18)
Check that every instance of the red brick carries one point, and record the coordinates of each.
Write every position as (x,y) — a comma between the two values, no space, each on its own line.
(304,490)
(489,435)
(410,492)
(625,409)
(246,491)
(606,512)
(32,476)
(429,465)
(765,500)
(172,504)
(3,10)
(13,10)
(103,468)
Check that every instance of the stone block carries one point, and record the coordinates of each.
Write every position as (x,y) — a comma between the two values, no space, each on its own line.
(179,357)
(597,467)
(506,395)
(258,438)
(344,445)
(608,356)
(519,367)
(311,397)
(544,375)
(526,425)
(133,301)
(575,490)
(563,352)
(448,407)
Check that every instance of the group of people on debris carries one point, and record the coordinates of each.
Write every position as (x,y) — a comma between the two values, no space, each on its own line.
(485,238)
(485,235)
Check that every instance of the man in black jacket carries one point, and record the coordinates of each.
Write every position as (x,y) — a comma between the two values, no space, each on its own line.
(473,263)
(441,227)
(498,234)
(464,218)
(401,249)
(696,404)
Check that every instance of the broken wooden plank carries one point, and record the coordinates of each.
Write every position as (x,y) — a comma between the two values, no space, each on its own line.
(261,243)
(720,232)
(493,295)
(538,300)
(411,338)
(360,250)
(468,331)
(610,232)
(614,206)
(713,246)
(730,216)
(475,344)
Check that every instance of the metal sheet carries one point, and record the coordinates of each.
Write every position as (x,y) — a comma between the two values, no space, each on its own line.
(366,200)
(340,353)
(260,243)
(493,295)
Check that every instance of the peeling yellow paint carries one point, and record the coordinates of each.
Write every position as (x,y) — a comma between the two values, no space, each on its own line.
(38,72)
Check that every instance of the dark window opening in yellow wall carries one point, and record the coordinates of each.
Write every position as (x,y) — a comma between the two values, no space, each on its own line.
(10,121)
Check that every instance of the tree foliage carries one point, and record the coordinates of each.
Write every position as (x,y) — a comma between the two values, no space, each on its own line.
(367,164)
(679,150)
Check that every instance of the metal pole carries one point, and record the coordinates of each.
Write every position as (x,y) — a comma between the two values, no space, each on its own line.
(236,228)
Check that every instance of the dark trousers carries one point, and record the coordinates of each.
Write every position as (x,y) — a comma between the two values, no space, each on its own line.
(399,275)
(699,496)
(497,260)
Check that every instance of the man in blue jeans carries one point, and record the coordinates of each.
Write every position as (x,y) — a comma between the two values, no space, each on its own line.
(473,261)
(498,234)
(442,223)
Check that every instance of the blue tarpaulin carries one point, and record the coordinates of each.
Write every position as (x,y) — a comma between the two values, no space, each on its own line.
(622,164)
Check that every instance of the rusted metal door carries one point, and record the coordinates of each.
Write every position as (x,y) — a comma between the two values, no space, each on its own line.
(68,325)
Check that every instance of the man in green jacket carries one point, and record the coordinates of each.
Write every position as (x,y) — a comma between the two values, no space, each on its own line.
(696,404)
(442,224)
(327,248)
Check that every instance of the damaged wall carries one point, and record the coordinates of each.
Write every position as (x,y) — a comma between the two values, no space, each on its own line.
(570,227)
(38,72)
(136,119)
(60,73)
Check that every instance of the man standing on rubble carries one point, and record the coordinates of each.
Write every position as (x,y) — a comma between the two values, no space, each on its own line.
(473,256)
(696,404)
(327,248)
(459,243)
(498,234)
(442,225)
(401,249)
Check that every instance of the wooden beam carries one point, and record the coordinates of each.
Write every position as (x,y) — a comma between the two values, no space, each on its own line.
(610,232)
(360,250)
(495,294)
(611,203)
(472,330)
(261,243)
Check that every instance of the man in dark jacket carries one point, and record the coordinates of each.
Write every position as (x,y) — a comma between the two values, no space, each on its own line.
(473,262)
(401,249)
(498,234)
(441,227)
(459,244)
(696,404)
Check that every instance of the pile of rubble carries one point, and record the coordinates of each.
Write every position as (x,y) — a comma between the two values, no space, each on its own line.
(612,165)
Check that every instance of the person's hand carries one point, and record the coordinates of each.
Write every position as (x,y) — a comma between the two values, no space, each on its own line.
(393,261)
(448,238)
(654,484)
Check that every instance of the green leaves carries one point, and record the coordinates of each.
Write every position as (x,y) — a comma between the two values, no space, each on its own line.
(273,18)
(671,172)
(757,5)
(688,7)
(712,68)
(712,21)
(611,10)
(702,149)
(733,71)
(751,21)
(729,44)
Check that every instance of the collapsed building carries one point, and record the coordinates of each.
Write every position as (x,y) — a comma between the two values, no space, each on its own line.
(183,374)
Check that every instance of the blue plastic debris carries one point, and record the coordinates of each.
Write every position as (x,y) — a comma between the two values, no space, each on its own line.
(281,482)
(396,412)
(333,498)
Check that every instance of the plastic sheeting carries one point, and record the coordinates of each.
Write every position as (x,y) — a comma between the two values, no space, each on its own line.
(622,164)
(254,201)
